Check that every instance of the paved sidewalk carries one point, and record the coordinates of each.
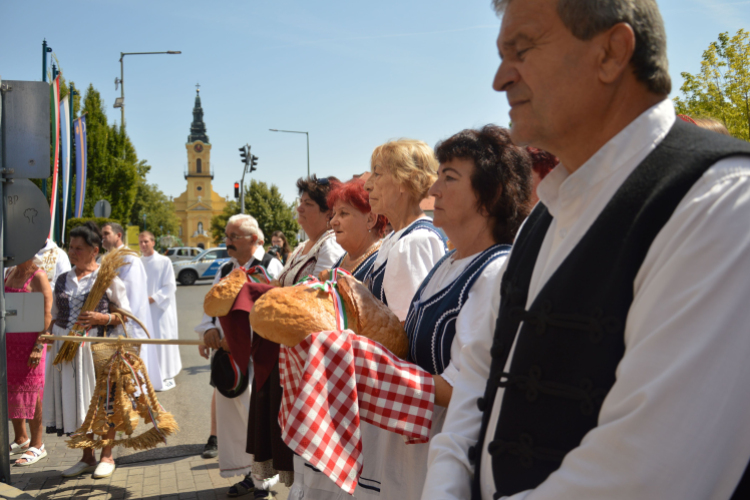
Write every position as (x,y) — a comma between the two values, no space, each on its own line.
(182,477)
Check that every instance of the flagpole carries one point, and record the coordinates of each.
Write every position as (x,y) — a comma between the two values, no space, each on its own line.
(45,49)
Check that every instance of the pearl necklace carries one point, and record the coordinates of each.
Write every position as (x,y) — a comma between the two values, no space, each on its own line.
(371,250)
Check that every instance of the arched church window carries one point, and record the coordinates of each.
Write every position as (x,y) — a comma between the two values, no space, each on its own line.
(198,166)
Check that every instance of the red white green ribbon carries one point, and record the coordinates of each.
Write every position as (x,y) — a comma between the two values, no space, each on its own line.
(257,270)
(330,287)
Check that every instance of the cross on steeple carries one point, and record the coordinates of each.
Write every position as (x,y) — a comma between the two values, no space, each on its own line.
(198,87)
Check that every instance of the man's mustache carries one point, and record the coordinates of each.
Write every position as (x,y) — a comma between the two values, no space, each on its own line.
(231,247)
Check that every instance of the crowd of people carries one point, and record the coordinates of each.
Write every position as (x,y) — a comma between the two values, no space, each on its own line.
(57,396)
(578,296)
(578,302)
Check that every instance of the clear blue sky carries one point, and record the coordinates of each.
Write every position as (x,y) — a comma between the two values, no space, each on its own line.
(353,74)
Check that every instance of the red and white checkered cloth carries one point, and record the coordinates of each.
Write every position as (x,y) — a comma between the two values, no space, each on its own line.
(331,381)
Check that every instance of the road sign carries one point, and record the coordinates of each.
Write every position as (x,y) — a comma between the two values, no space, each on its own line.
(102,209)
(27,221)
(24,312)
(26,129)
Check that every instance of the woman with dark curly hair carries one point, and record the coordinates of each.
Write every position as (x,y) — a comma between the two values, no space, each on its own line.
(481,199)
(320,251)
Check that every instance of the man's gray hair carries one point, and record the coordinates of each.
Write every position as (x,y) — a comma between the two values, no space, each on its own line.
(261,236)
(587,18)
(247,223)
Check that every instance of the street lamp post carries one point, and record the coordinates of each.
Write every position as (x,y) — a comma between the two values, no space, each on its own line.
(308,143)
(121,81)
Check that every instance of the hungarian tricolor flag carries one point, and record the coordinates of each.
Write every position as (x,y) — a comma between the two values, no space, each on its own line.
(55,114)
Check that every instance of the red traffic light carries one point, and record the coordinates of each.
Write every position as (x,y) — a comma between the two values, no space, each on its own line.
(236,190)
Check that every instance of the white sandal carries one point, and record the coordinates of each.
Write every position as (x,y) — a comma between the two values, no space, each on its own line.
(16,448)
(36,455)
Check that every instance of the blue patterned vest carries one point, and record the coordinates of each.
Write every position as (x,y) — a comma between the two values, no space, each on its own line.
(364,267)
(431,321)
(374,280)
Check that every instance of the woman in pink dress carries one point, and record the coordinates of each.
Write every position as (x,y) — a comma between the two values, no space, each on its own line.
(26,357)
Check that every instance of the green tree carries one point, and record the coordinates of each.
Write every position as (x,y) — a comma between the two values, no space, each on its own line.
(722,88)
(159,209)
(269,209)
(112,171)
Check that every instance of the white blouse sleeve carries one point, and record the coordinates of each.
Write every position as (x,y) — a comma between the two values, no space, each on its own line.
(328,254)
(476,320)
(409,262)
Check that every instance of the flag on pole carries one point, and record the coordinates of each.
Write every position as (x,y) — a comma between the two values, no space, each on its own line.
(65,138)
(55,112)
(79,128)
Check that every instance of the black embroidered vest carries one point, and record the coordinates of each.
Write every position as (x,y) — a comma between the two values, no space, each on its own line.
(571,339)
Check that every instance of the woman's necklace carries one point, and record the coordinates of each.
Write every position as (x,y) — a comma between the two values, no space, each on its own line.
(371,250)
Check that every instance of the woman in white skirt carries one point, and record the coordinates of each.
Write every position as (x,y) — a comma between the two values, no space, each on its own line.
(70,385)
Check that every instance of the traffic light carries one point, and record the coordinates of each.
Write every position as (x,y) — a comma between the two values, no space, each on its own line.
(237,190)
(243,154)
(253,163)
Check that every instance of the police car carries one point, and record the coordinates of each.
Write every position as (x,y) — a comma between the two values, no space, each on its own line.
(203,267)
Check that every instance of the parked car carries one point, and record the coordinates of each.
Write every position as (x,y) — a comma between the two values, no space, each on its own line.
(203,267)
(182,253)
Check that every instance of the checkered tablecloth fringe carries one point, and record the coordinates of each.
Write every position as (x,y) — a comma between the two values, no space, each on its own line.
(334,380)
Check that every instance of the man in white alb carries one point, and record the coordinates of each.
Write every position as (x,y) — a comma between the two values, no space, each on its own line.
(163,304)
(618,367)
(134,276)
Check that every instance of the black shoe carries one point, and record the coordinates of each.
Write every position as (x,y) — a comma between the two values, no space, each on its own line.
(211,450)
(264,494)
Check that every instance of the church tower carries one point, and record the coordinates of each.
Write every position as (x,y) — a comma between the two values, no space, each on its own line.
(199,203)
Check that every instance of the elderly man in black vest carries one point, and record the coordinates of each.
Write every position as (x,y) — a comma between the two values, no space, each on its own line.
(618,368)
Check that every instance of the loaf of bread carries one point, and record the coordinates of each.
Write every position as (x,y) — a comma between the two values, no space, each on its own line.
(221,297)
(374,319)
(288,315)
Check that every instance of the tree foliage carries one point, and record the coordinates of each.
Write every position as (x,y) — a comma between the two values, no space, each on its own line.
(269,209)
(722,88)
(112,162)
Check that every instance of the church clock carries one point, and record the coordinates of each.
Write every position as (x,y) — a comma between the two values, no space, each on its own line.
(198,148)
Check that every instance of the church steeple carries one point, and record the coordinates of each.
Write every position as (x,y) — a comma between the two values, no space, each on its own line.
(198,128)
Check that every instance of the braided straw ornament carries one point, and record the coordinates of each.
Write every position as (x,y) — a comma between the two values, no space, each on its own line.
(117,382)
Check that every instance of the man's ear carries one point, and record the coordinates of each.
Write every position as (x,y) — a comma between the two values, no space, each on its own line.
(617,47)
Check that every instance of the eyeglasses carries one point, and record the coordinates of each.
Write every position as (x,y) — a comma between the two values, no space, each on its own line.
(323,181)
(235,237)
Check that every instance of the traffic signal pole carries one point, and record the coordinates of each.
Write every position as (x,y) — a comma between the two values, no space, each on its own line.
(249,161)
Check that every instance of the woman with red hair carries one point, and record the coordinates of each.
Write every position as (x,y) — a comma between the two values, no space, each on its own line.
(358,230)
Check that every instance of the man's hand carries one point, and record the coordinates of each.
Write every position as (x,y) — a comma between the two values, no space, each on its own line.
(225,344)
(150,300)
(204,351)
(212,338)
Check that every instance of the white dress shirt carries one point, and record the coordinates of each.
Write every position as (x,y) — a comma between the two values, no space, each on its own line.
(275,267)
(674,425)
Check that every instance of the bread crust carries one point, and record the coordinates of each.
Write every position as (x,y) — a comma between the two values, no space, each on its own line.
(288,315)
(374,319)
(220,299)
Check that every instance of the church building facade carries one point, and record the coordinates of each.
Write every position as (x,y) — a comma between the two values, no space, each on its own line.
(199,203)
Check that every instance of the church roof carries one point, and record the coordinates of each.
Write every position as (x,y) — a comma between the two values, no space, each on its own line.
(198,128)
